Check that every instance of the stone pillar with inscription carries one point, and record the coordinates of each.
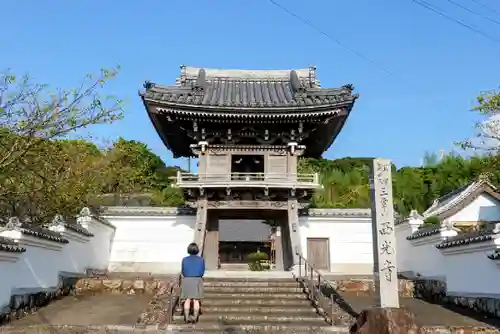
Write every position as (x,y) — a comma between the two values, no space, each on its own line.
(386,317)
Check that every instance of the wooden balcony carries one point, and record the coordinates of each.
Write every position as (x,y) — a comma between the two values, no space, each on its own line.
(247,180)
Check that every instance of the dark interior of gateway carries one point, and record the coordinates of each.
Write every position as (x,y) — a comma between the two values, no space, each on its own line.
(238,251)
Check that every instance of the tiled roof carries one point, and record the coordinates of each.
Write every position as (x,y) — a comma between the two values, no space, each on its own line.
(35,231)
(78,229)
(70,225)
(466,239)
(424,232)
(455,200)
(9,245)
(248,89)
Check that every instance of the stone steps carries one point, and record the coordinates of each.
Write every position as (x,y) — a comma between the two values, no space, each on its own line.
(251,284)
(297,303)
(253,295)
(277,309)
(240,305)
(254,289)
(240,318)
(216,328)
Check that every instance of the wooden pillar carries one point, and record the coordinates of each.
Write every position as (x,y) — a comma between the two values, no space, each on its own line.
(293,226)
(201,222)
(211,250)
(278,246)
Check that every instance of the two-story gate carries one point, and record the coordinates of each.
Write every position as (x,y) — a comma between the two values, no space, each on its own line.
(248,128)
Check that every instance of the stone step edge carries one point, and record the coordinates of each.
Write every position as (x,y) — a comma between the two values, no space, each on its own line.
(261,319)
(256,309)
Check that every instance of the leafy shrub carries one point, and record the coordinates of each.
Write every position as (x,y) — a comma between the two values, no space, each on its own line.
(255,261)
(431,221)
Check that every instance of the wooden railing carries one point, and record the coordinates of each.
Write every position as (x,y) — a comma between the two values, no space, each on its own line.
(173,298)
(314,285)
(247,177)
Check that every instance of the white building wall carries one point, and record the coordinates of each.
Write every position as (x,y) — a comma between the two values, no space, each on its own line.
(469,272)
(404,248)
(76,256)
(350,242)
(8,277)
(100,245)
(153,244)
(38,267)
(483,208)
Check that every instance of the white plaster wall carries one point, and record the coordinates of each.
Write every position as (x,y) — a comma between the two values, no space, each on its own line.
(471,273)
(8,277)
(154,244)
(38,267)
(77,253)
(404,249)
(100,245)
(350,239)
(425,259)
(243,230)
(483,208)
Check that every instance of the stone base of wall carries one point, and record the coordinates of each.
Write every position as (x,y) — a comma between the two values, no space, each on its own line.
(29,301)
(117,285)
(435,291)
(367,286)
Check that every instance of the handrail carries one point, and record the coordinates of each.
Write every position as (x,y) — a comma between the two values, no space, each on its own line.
(293,177)
(173,298)
(312,286)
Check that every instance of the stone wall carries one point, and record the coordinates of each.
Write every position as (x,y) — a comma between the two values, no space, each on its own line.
(435,291)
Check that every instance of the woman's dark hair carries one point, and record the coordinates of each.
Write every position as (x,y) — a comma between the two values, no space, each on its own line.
(193,249)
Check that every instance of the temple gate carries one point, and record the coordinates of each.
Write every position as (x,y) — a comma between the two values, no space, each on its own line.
(247,129)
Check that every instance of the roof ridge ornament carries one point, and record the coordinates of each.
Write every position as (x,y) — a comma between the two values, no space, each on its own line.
(14,223)
(58,220)
(201,81)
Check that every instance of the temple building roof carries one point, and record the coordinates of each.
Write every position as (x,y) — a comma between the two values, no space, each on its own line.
(451,203)
(278,102)
(248,90)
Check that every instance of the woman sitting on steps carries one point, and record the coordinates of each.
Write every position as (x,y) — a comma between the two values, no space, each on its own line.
(193,269)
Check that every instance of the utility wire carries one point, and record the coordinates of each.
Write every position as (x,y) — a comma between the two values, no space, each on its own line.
(473,12)
(486,7)
(336,40)
(431,8)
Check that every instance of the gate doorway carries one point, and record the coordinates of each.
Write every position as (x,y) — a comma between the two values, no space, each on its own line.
(230,238)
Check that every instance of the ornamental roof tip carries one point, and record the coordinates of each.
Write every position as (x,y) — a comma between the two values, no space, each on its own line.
(72,225)
(491,231)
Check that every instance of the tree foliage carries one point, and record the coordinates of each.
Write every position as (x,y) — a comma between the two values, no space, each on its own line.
(43,172)
(346,181)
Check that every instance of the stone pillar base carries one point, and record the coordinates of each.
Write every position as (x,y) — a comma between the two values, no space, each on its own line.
(385,321)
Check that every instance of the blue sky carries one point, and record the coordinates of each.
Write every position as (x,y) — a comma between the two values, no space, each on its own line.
(439,66)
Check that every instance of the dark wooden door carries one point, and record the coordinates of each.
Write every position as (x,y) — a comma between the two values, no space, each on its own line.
(318,253)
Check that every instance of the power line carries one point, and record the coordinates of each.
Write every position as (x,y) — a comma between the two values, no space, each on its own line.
(336,40)
(473,12)
(486,7)
(429,7)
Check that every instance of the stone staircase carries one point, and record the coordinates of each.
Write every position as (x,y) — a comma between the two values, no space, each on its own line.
(267,305)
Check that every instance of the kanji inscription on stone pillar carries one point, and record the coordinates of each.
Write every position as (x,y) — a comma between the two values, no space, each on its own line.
(383,232)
